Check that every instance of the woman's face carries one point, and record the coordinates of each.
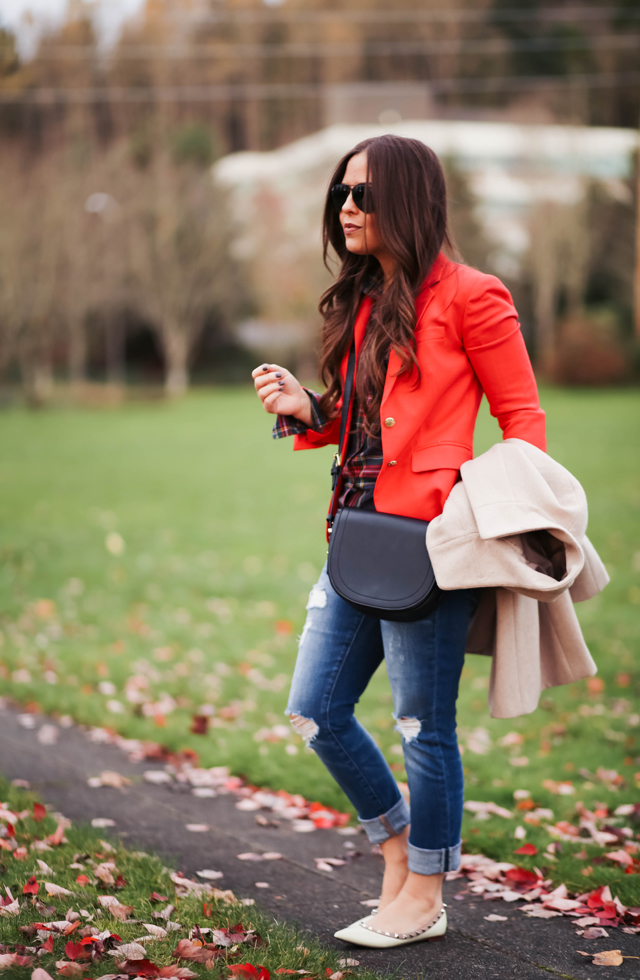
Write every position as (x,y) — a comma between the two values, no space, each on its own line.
(361,232)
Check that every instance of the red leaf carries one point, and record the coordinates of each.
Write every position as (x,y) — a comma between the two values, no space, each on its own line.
(526,849)
(121,882)
(82,880)
(199,724)
(247,971)
(77,951)
(39,811)
(521,875)
(140,968)
(154,897)
(58,835)
(595,901)
(31,887)
(48,945)
(609,911)
(11,831)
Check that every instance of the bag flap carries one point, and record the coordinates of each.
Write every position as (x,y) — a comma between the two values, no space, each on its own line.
(441,456)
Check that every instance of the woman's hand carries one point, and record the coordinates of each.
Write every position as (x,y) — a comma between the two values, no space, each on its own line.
(281,393)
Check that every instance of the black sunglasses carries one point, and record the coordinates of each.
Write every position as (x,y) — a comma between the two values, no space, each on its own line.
(340,192)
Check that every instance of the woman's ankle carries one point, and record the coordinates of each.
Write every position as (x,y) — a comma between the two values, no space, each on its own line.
(425,890)
(392,883)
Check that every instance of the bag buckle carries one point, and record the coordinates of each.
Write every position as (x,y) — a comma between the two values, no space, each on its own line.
(335,470)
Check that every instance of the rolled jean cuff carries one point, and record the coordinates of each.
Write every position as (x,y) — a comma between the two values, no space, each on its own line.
(380,829)
(424,862)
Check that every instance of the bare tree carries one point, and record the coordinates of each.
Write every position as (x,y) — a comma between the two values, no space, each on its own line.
(180,256)
(30,265)
(558,266)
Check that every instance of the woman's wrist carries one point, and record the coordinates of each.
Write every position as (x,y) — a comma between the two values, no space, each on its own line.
(304,412)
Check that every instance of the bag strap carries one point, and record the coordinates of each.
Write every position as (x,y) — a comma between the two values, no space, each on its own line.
(336,469)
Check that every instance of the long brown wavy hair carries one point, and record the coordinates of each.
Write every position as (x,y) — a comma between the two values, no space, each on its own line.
(407,187)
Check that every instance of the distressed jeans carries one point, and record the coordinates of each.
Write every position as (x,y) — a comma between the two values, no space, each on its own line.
(339,651)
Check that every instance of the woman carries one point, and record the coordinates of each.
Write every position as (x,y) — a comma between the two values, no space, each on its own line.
(431,336)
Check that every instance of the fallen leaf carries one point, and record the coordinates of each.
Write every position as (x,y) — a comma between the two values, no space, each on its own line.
(83,880)
(104,873)
(52,889)
(31,888)
(130,951)
(68,969)
(540,913)
(181,972)
(57,837)
(115,907)
(77,951)
(199,724)
(197,828)
(210,875)
(348,962)
(40,974)
(522,876)
(595,932)
(494,918)
(114,779)
(609,957)
(196,953)
(39,811)
(621,857)
(526,849)
(484,810)
(139,968)
(157,931)
(102,822)
(155,897)
(247,971)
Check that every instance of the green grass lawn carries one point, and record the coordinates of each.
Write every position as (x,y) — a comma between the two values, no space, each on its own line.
(157,558)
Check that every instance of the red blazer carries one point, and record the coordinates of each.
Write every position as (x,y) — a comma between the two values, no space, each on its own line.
(468,341)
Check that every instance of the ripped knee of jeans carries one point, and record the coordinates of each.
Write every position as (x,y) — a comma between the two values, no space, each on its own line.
(306,727)
(409,728)
(317,598)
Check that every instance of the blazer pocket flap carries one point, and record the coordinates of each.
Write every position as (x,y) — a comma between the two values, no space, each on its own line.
(443,456)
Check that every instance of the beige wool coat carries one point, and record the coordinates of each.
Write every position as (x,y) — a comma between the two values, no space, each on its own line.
(515,525)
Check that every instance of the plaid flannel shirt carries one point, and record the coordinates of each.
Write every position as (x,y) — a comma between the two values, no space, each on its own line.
(363,455)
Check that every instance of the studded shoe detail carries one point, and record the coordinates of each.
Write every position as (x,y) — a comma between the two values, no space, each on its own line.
(362,934)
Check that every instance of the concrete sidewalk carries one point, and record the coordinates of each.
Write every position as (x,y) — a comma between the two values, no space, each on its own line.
(154,818)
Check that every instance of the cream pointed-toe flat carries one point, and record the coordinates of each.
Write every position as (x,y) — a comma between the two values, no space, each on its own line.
(362,934)
(346,932)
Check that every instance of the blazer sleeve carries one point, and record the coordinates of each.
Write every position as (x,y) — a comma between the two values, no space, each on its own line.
(313,440)
(495,346)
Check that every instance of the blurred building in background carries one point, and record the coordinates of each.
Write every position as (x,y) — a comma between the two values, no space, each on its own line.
(121,258)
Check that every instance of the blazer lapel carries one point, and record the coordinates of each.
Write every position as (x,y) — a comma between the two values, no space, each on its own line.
(423,300)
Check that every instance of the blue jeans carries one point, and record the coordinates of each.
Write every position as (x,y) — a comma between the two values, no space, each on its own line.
(339,651)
